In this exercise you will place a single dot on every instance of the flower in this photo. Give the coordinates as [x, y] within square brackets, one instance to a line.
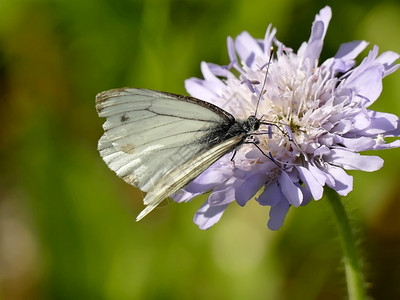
[316, 120]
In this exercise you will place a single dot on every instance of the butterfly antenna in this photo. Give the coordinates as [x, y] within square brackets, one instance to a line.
[265, 78]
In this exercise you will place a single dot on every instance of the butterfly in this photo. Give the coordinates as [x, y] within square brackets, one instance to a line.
[160, 141]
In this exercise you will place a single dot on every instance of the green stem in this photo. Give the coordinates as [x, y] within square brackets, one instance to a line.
[355, 283]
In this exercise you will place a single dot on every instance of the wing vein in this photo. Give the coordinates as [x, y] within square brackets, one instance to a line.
[177, 178]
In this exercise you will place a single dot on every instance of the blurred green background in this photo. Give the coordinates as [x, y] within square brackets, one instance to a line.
[67, 223]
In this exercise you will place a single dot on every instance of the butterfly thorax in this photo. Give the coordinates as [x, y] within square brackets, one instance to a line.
[251, 124]
[243, 127]
[233, 128]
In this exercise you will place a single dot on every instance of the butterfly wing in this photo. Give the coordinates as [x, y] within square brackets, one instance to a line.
[159, 141]
[179, 177]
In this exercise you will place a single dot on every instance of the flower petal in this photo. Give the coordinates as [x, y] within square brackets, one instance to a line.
[358, 144]
[231, 50]
[388, 59]
[268, 38]
[349, 51]
[211, 78]
[366, 79]
[343, 181]
[344, 58]
[383, 146]
[307, 196]
[319, 175]
[222, 194]
[379, 123]
[318, 31]
[292, 193]
[248, 49]
[199, 88]
[271, 195]
[208, 215]
[210, 178]
[249, 188]
[354, 161]
[183, 196]
[313, 185]
[277, 215]
[218, 70]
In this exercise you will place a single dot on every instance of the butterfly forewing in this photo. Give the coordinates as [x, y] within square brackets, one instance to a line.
[152, 138]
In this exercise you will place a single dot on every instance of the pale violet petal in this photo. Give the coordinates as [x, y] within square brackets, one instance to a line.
[338, 65]
[358, 144]
[354, 161]
[249, 188]
[271, 195]
[268, 38]
[209, 179]
[292, 193]
[388, 60]
[199, 89]
[324, 15]
[318, 31]
[343, 126]
[395, 132]
[383, 146]
[327, 141]
[302, 49]
[344, 58]
[366, 80]
[231, 50]
[349, 51]
[307, 196]
[323, 150]
[222, 194]
[183, 196]
[311, 182]
[368, 85]
[218, 70]
[314, 45]
[380, 122]
[277, 215]
[248, 48]
[361, 121]
[211, 78]
[343, 181]
[319, 175]
[208, 215]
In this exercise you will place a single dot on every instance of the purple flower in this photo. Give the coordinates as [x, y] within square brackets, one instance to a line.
[319, 120]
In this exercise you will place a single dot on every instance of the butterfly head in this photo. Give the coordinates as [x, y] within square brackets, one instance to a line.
[252, 124]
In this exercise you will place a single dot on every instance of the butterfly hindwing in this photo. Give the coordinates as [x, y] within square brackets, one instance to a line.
[171, 182]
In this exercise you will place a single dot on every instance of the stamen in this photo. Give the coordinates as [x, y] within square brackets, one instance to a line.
[270, 131]
[265, 78]
[264, 65]
[289, 132]
[249, 84]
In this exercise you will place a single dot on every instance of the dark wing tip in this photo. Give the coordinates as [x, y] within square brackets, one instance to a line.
[102, 97]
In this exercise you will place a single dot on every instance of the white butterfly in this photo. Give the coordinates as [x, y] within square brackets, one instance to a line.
[159, 141]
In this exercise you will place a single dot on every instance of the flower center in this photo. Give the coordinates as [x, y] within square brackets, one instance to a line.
[298, 100]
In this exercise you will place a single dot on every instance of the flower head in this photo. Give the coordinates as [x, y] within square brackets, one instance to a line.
[316, 120]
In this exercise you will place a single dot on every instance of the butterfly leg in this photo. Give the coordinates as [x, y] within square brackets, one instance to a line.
[269, 155]
[234, 154]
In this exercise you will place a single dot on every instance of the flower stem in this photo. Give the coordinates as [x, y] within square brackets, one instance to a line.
[354, 277]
